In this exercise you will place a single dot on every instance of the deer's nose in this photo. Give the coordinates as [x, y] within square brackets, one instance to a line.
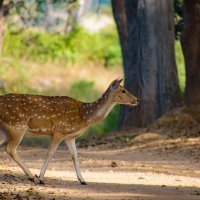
[136, 101]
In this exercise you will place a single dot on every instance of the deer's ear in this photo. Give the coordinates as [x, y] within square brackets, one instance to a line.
[115, 84]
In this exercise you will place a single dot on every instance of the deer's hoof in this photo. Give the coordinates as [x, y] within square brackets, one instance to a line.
[33, 179]
[83, 183]
[37, 176]
[41, 182]
[37, 180]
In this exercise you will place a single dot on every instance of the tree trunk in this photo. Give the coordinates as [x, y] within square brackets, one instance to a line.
[3, 14]
[146, 31]
[191, 49]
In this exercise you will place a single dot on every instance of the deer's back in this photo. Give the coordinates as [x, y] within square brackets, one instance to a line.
[41, 114]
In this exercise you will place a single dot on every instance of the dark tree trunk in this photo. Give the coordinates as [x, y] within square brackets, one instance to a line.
[146, 32]
[3, 14]
[191, 49]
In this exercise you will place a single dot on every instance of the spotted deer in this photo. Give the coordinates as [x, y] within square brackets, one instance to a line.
[61, 117]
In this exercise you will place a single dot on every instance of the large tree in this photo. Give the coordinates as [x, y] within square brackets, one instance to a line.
[146, 32]
[3, 13]
[191, 49]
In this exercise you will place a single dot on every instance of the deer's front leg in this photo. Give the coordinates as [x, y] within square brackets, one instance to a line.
[56, 139]
[73, 152]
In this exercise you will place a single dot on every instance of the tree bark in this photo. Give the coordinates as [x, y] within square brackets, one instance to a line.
[146, 32]
[191, 48]
[3, 13]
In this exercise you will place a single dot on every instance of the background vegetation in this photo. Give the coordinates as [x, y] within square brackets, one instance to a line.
[35, 49]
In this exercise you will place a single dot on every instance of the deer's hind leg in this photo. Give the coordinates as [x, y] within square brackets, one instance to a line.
[15, 137]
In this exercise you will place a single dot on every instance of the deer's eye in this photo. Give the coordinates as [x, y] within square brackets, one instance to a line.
[123, 91]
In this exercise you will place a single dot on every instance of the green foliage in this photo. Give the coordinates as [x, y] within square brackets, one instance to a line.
[83, 91]
[77, 47]
[180, 65]
[178, 17]
[33, 140]
[113, 56]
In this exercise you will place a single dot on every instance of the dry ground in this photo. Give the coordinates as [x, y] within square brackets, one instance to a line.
[158, 169]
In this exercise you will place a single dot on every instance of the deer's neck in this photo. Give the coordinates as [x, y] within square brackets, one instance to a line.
[98, 110]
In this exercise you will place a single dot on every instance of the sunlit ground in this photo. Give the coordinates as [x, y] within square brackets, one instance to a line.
[161, 169]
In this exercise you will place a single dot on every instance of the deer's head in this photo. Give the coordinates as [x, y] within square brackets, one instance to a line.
[120, 95]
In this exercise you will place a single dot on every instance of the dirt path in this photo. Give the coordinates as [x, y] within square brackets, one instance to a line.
[168, 170]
